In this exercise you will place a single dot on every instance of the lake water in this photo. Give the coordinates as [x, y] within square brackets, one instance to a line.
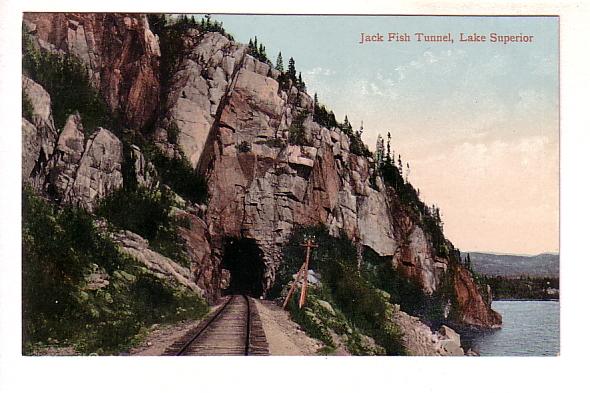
[529, 328]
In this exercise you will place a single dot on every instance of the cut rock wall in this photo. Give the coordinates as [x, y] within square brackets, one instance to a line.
[120, 51]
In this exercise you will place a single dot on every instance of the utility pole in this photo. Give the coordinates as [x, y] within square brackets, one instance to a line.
[308, 244]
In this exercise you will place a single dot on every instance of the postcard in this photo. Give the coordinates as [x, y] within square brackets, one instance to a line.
[315, 185]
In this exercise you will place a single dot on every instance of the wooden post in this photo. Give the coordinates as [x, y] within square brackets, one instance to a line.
[302, 271]
[304, 285]
[309, 244]
[293, 286]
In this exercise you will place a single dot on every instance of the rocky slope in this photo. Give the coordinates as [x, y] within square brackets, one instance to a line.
[225, 112]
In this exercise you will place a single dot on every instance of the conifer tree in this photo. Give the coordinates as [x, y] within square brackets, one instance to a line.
[262, 53]
[291, 72]
[388, 158]
[379, 152]
[280, 66]
[300, 83]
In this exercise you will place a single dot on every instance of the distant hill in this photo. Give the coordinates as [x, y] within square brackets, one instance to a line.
[542, 265]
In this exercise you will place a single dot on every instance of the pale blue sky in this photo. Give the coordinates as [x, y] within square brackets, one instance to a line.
[477, 122]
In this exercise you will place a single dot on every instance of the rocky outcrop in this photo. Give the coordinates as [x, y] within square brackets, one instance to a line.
[196, 240]
[81, 171]
[419, 340]
[161, 266]
[472, 308]
[145, 172]
[201, 82]
[39, 135]
[417, 260]
[120, 51]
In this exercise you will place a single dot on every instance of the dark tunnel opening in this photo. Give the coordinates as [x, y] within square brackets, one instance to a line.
[243, 259]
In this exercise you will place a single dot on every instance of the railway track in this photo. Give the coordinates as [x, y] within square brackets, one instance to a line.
[233, 329]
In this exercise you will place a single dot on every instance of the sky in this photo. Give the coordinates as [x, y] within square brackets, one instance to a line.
[478, 122]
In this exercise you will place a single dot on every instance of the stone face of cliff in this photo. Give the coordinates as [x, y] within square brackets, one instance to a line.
[225, 112]
[261, 187]
[473, 309]
[197, 88]
[120, 51]
[39, 136]
[82, 171]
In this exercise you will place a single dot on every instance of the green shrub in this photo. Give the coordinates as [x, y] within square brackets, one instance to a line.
[309, 322]
[146, 213]
[141, 211]
[410, 201]
[276, 143]
[297, 132]
[179, 175]
[173, 133]
[244, 147]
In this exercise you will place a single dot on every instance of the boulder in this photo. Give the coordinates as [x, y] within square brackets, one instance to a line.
[161, 266]
[326, 306]
[448, 333]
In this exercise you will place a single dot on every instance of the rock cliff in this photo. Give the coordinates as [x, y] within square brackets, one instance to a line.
[121, 53]
[226, 112]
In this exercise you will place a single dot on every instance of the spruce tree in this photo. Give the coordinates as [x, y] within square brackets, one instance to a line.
[291, 72]
[388, 158]
[379, 152]
[280, 63]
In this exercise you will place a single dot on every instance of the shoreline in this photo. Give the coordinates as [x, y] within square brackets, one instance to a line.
[525, 300]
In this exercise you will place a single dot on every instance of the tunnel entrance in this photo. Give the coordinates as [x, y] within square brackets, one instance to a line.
[243, 259]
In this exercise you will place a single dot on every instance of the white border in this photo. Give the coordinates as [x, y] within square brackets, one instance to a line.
[19, 373]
